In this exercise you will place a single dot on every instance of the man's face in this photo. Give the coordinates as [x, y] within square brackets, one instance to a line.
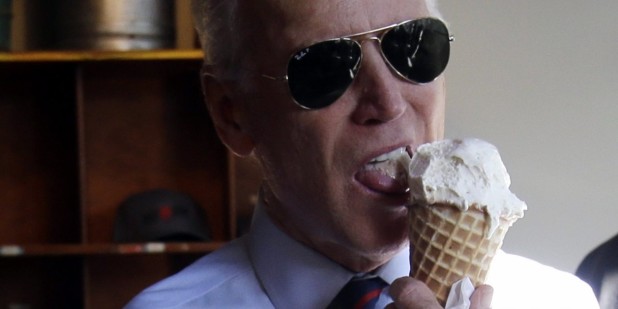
[321, 187]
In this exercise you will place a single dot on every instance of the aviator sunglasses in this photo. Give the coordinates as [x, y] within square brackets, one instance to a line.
[416, 50]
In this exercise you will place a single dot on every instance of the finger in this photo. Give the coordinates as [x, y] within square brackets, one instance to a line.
[410, 293]
[481, 298]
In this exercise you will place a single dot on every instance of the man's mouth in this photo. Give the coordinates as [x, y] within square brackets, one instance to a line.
[389, 157]
[386, 173]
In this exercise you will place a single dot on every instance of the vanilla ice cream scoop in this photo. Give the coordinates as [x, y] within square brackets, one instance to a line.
[465, 173]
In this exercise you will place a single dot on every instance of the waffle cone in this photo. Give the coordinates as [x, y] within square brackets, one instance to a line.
[449, 244]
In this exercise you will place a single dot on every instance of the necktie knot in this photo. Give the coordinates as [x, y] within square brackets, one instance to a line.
[359, 294]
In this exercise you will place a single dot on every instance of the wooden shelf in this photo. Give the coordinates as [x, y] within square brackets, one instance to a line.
[77, 56]
[9, 251]
[82, 131]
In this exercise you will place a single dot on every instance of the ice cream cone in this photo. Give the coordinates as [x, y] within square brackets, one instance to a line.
[461, 208]
[449, 244]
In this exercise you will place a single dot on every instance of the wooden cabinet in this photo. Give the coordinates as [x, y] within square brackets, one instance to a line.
[79, 133]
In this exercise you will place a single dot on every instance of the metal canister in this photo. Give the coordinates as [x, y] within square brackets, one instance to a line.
[114, 24]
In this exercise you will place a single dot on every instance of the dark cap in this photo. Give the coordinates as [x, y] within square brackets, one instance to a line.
[160, 215]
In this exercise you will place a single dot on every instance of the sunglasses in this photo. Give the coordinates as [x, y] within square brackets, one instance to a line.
[416, 50]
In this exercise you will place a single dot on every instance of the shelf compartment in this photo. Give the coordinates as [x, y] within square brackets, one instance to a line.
[38, 161]
[41, 282]
[148, 130]
[82, 131]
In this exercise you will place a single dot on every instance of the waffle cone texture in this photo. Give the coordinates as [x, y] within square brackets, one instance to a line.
[448, 244]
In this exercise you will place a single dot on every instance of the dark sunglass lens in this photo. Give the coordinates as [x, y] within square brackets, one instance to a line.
[319, 74]
[418, 50]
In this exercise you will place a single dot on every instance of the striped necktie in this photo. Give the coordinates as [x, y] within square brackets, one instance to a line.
[359, 294]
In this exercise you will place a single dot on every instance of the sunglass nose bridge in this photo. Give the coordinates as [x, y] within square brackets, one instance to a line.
[374, 38]
[371, 38]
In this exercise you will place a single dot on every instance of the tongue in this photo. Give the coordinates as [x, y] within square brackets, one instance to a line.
[379, 181]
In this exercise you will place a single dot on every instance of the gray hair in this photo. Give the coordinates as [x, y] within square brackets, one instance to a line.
[217, 29]
[221, 34]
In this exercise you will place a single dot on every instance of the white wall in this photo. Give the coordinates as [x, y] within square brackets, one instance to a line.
[539, 79]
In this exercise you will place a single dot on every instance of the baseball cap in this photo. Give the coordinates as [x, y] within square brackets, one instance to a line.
[160, 215]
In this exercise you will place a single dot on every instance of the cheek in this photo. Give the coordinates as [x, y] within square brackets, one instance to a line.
[428, 105]
[286, 146]
[433, 96]
[436, 115]
[299, 151]
[439, 110]
[268, 109]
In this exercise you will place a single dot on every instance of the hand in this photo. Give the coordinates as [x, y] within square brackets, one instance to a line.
[409, 293]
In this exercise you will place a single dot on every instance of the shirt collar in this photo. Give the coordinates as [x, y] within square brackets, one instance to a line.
[279, 262]
[397, 267]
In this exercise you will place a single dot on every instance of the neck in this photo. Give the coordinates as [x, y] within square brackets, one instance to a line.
[349, 258]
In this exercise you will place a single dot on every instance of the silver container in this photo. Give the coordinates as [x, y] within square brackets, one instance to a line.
[113, 24]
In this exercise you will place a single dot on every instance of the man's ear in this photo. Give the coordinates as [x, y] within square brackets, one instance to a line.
[227, 116]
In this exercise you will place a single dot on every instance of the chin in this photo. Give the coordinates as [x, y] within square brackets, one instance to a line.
[387, 241]
[377, 255]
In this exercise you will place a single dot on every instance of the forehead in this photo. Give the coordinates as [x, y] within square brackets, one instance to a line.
[287, 25]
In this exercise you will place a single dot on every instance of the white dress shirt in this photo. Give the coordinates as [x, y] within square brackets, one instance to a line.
[268, 269]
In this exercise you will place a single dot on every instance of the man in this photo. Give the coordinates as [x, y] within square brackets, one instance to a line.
[322, 117]
[600, 269]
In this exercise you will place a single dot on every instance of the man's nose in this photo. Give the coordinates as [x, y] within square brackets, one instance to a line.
[377, 88]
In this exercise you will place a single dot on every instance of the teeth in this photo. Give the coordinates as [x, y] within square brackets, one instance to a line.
[393, 164]
[388, 156]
